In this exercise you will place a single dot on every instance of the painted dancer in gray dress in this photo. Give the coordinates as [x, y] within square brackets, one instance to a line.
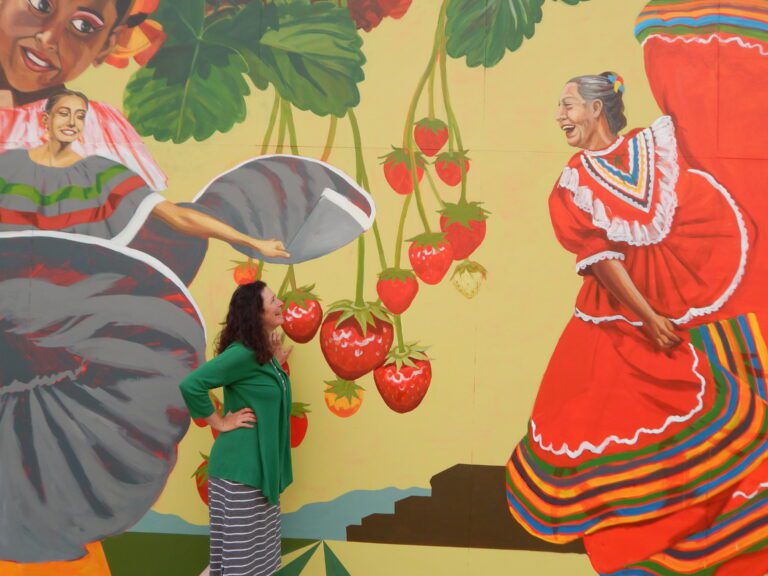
[97, 326]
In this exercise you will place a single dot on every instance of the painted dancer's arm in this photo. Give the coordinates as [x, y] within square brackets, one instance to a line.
[194, 223]
[613, 275]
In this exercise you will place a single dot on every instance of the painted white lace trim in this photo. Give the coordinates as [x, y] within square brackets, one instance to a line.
[708, 40]
[618, 229]
[751, 495]
[600, 256]
[723, 298]
[600, 448]
[604, 151]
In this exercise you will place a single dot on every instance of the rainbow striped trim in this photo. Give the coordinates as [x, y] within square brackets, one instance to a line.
[697, 18]
[712, 455]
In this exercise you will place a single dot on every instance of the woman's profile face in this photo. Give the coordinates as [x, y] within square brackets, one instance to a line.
[576, 117]
[65, 121]
[44, 43]
[273, 309]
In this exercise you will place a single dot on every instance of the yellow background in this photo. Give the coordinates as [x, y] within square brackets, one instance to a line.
[489, 353]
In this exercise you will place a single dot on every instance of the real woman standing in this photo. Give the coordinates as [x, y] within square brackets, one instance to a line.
[250, 463]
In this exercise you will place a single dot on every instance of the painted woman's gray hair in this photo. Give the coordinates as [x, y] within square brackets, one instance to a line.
[601, 88]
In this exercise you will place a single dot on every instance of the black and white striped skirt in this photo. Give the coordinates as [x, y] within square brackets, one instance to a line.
[245, 530]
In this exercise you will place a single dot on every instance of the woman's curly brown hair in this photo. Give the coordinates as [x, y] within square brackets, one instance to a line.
[245, 323]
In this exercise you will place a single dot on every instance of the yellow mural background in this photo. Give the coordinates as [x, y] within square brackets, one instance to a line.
[489, 353]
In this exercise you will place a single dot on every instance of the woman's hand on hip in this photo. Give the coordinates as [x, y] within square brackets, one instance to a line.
[243, 418]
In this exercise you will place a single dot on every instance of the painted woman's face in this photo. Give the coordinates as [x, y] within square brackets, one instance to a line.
[273, 309]
[44, 43]
[578, 118]
[66, 120]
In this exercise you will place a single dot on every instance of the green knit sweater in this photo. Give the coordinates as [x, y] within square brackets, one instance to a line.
[259, 457]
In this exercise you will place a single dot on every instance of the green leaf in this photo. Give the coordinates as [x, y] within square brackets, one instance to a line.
[194, 86]
[333, 566]
[343, 389]
[481, 32]
[242, 32]
[297, 565]
[314, 59]
[298, 409]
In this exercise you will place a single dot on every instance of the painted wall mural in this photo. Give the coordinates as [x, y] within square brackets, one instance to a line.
[384, 165]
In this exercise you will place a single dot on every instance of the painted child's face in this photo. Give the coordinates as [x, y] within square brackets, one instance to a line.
[44, 43]
[66, 120]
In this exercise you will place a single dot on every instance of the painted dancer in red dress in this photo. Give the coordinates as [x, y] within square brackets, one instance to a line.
[648, 428]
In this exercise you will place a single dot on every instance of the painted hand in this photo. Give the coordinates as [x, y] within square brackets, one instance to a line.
[271, 248]
[661, 331]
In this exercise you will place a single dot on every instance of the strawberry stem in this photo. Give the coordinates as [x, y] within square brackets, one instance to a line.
[431, 90]
[261, 268]
[281, 132]
[271, 124]
[284, 285]
[454, 132]
[434, 189]
[330, 139]
[362, 178]
[359, 296]
[399, 334]
[292, 277]
[401, 230]
[291, 127]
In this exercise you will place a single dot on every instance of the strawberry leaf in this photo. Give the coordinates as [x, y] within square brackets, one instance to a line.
[343, 389]
[365, 315]
[298, 409]
[432, 124]
[300, 297]
[401, 155]
[408, 356]
[396, 274]
[464, 213]
[428, 239]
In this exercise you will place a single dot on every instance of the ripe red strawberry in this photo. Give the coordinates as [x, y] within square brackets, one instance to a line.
[302, 314]
[355, 339]
[397, 289]
[404, 380]
[448, 167]
[285, 366]
[201, 479]
[397, 170]
[245, 272]
[464, 227]
[299, 423]
[430, 134]
[431, 256]
[368, 14]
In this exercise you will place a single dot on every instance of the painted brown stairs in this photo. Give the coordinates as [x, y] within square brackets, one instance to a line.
[467, 509]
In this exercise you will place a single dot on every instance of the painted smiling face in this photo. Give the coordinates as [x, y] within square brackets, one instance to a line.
[45, 43]
[577, 118]
[64, 123]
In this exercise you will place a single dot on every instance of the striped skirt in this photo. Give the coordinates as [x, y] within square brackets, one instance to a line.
[688, 500]
[245, 530]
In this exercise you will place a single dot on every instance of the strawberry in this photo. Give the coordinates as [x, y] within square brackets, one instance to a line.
[448, 167]
[299, 423]
[397, 170]
[285, 366]
[368, 14]
[302, 314]
[343, 398]
[430, 134]
[464, 227]
[404, 380]
[431, 256]
[355, 339]
[245, 272]
[201, 479]
[397, 289]
[468, 277]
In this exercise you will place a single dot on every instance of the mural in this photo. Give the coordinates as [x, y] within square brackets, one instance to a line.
[287, 118]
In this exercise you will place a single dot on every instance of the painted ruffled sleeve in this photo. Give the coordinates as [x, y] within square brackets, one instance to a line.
[577, 233]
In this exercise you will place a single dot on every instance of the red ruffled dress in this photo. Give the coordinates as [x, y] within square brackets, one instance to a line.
[630, 448]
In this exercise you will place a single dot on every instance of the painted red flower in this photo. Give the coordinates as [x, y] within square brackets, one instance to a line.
[368, 14]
